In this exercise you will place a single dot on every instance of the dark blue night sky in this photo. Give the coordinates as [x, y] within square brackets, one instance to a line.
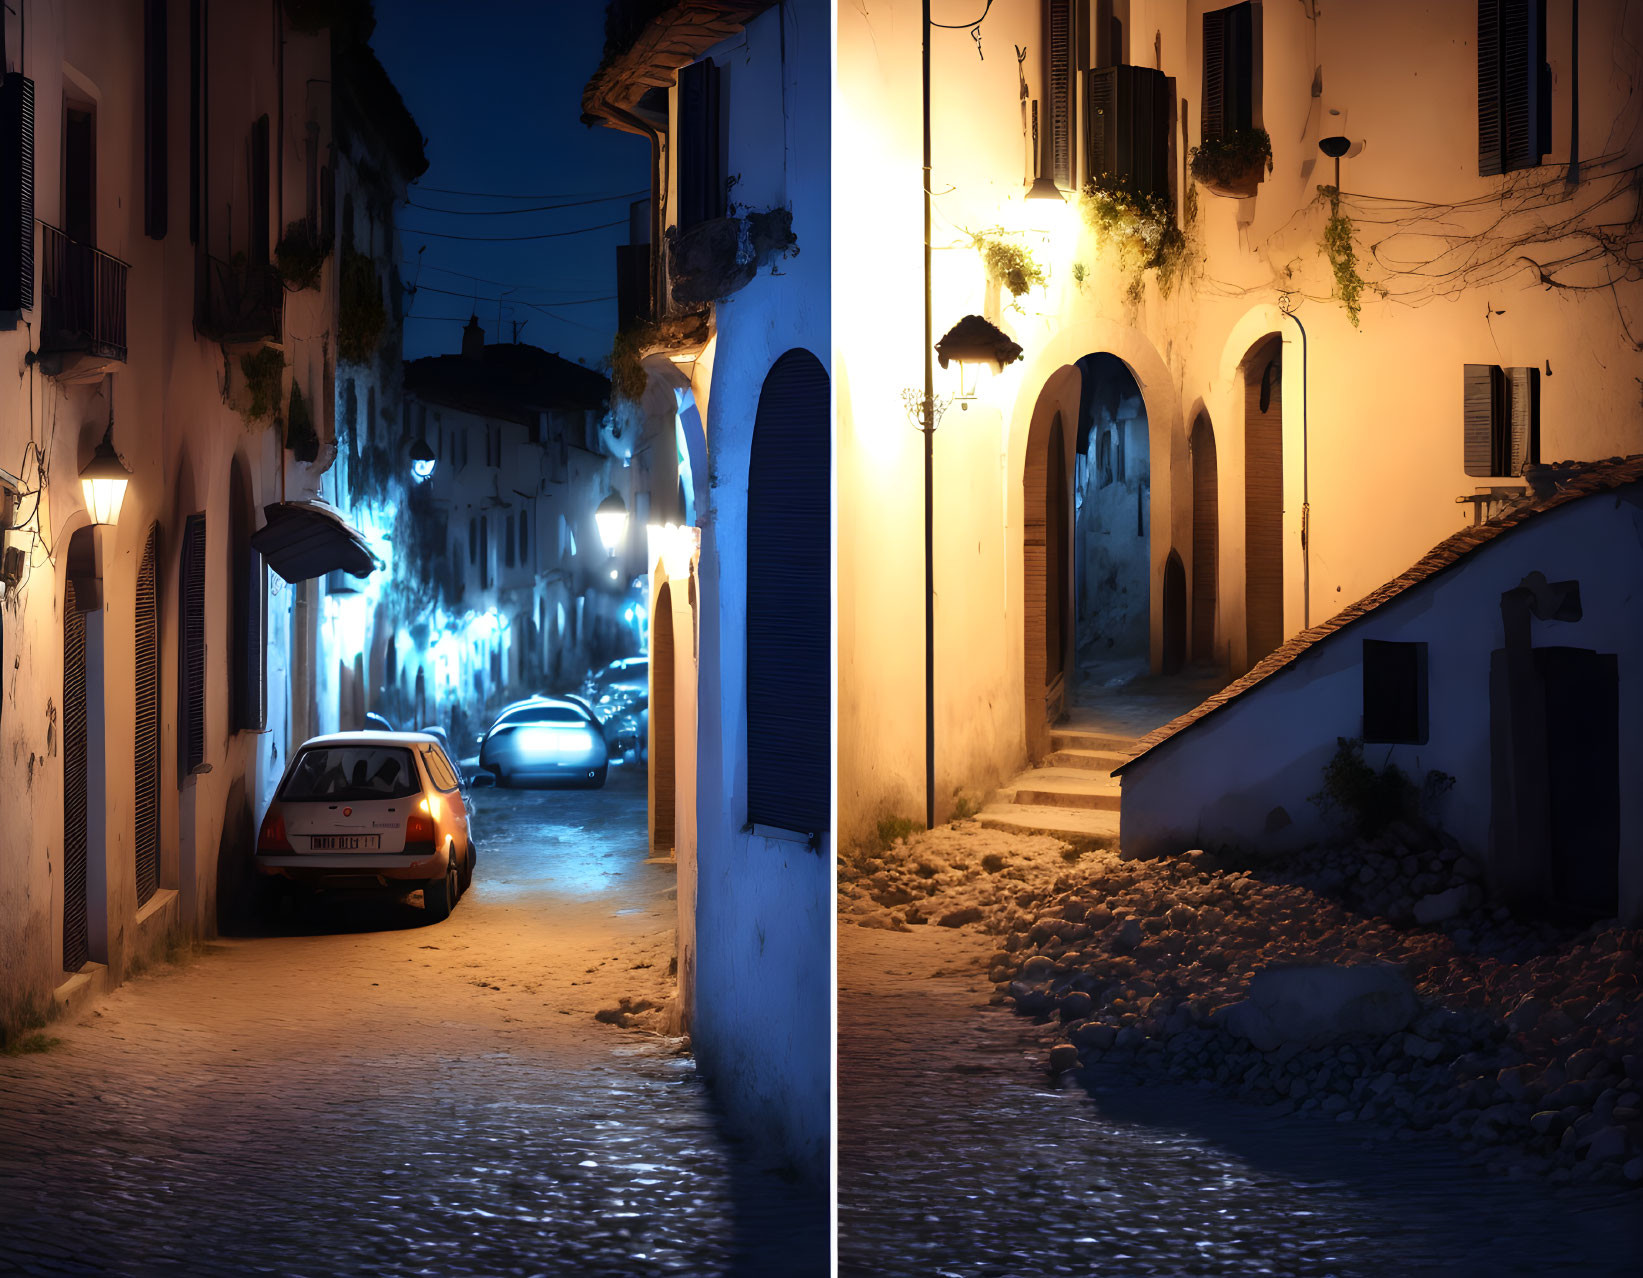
[496, 87]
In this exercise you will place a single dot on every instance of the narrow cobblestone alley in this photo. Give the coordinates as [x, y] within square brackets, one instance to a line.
[958, 1156]
[370, 1094]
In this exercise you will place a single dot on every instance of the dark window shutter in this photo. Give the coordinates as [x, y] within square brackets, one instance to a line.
[191, 649]
[1514, 85]
[76, 930]
[632, 284]
[1491, 154]
[1212, 123]
[1229, 71]
[250, 688]
[196, 112]
[259, 191]
[789, 594]
[16, 193]
[1127, 128]
[1058, 87]
[701, 157]
[146, 757]
[1394, 693]
[1524, 395]
[154, 118]
[1481, 397]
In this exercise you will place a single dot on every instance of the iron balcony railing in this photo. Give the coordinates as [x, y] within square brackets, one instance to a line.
[84, 307]
[241, 301]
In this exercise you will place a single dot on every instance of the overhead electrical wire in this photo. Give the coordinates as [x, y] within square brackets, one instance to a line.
[506, 195]
[536, 208]
[445, 270]
[411, 231]
[514, 301]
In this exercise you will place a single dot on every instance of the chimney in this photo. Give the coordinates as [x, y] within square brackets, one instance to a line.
[473, 339]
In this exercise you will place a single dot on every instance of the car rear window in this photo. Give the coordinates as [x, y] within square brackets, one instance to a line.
[544, 714]
[439, 768]
[331, 774]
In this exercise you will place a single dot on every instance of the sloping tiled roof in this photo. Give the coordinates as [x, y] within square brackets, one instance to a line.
[673, 38]
[511, 381]
[1573, 480]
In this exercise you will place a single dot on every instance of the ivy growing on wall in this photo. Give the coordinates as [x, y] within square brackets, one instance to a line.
[1141, 232]
[362, 315]
[1010, 265]
[1343, 257]
[262, 369]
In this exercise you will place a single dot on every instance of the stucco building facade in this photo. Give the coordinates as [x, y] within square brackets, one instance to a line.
[1329, 380]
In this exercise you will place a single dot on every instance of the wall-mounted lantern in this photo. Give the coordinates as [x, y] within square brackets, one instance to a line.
[976, 345]
[612, 519]
[104, 480]
[422, 459]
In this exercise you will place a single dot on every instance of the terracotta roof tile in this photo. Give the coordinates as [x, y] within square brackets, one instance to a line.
[1572, 480]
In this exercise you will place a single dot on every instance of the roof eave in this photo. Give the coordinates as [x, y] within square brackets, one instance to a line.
[672, 40]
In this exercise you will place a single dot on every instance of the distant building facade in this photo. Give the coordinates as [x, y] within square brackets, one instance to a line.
[724, 360]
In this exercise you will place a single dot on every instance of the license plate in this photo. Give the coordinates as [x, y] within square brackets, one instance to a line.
[344, 842]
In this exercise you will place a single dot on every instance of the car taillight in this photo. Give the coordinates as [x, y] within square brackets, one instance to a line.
[420, 828]
[272, 837]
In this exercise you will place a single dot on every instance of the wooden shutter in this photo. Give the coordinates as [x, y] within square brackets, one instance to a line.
[1212, 121]
[16, 193]
[1127, 113]
[1491, 152]
[1514, 85]
[701, 157]
[146, 757]
[196, 113]
[259, 191]
[1229, 71]
[250, 650]
[1263, 509]
[1481, 394]
[1058, 88]
[789, 594]
[154, 118]
[1523, 386]
[191, 649]
[76, 924]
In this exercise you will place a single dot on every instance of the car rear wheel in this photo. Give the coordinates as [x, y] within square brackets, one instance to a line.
[468, 868]
[439, 895]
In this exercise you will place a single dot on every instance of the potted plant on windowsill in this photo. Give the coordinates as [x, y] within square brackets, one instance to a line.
[1233, 165]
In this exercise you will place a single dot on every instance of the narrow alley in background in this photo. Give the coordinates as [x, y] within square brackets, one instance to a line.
[396, 537]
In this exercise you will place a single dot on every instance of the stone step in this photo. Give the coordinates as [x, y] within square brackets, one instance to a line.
[1025, 818]
[1069, 739]
[1102, 761]
[1067, 799]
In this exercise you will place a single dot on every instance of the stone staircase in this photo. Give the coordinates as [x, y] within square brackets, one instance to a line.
[1073, 792]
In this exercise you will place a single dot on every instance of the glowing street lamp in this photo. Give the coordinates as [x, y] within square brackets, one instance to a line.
[103, 481]
[974, 344]
[612, 518]
[422, 459]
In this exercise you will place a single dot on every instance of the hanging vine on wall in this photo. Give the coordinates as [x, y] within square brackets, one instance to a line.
[300, 255]
[1009, 265]
[1141, 232]
[262, 369]
[300, 436]
[362, 315]
[1343, 257]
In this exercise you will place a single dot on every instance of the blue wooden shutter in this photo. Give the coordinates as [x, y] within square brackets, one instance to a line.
[789, 600]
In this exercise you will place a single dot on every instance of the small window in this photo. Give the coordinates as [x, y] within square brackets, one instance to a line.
[1502, 419]
[701, 147]
[1394, 693]
[1229, 72]
[1514, 86]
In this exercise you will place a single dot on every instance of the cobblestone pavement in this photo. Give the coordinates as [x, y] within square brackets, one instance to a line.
[958, 1156]
[373, 1094]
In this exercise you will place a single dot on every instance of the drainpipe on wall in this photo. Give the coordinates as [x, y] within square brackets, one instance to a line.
[1285, 305]
[658, 201]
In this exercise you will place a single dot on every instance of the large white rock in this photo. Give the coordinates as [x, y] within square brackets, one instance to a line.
[1315, 1004]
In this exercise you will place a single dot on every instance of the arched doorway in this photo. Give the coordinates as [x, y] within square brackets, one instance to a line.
[1086, 515]
[789, 599]
[1206, 540]
[1175, 615]
[663, 761]
[76, 911]
[1262, 373]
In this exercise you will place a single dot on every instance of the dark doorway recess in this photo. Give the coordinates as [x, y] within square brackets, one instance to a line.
[1175, 615]
[1582, 691]
[789, 599]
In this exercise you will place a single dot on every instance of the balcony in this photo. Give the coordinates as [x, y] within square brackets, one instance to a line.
[83, 308]
[241, 303]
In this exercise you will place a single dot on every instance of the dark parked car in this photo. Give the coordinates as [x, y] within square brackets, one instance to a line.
[546, 739]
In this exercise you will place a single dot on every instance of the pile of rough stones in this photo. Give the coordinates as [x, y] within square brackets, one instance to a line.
[1371, 983]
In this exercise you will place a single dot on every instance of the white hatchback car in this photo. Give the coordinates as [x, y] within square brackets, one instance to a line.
[356, 808]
